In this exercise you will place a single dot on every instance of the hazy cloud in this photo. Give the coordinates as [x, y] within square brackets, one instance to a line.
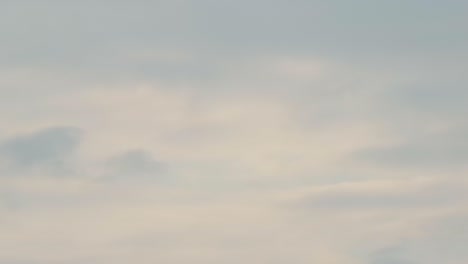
[134, 165]
[445, 149]
[389, 256]
[48, 147]
[221, 131]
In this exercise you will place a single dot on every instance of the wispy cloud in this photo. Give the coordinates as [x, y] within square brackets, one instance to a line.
[233, 131]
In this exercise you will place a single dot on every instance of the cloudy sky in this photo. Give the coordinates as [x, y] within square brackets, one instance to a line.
[233, 131]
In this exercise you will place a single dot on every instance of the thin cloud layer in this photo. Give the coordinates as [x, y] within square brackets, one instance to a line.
[233, 132]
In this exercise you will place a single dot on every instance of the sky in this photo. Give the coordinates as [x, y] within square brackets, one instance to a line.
[222, 131]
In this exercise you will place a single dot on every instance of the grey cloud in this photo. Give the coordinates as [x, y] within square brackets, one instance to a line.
[94, 33]
[135, 164]
[391, 255]
[400, 196]
[446, 240]
[48, 147]
[442, 241]
[418, 156]
[97, 41]
[425, 116]
[440, 98]
[442, 151]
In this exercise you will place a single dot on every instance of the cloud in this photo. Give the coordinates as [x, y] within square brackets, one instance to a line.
[446, 149]
[389, 255]
[49, 147]
[386, 195]
[135, 165]
[305, 132]
[443, 240]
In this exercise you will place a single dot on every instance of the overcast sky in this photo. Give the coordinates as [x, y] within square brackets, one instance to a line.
[233, 131]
